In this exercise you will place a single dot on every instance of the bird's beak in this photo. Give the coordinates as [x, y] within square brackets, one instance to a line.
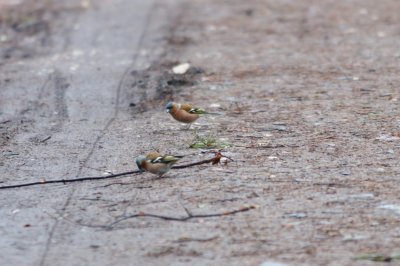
[167, 110]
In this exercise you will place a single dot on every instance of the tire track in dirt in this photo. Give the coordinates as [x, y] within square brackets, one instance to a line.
[52, 107]
[156, 85]
[53, 112]
[54, 88]
[60, 86]
[102, 133]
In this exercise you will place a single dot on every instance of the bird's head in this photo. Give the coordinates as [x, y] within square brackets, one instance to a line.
[169, 106]
[139, 162]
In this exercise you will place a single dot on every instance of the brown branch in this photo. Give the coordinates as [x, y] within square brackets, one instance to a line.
[124, 184]
[64, 181]
[180, 219]
[214, 160]
[190, 239]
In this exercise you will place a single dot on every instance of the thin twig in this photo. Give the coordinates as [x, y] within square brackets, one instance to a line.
[214, 160]
[189, 213]
[124, 184]
[64, 181]
[45, 139]
[190, 239]
[180, 219]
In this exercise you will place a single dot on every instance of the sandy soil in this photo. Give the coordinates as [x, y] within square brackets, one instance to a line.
[308, 96]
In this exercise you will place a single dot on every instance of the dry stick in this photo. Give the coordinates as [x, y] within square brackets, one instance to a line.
[190, 239]
[64, 181]
[214, 160]
[180, 219]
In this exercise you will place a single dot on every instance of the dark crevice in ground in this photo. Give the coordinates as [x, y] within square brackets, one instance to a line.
[155, 86]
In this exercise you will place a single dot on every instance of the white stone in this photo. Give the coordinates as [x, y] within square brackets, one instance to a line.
[181, 68]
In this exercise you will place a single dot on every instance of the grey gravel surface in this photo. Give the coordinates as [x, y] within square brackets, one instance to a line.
[308, 96]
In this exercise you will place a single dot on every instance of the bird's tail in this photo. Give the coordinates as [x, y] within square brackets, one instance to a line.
[170, 158]
[208, 113]
[199, 111]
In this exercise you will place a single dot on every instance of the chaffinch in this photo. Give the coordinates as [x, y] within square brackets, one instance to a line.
[155, 163]
[184, 112]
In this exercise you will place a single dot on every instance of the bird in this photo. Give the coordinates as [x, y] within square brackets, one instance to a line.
[156, 163]
[185, 112]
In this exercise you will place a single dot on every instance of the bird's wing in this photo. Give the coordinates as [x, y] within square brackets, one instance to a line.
[153, 155]
[192, 110]
[166, 159]
[186, 106]
[197, 111]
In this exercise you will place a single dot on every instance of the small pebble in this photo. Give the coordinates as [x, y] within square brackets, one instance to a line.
[181, 68]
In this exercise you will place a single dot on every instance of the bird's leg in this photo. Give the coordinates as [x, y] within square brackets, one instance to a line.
[189, 126]
[158, 177]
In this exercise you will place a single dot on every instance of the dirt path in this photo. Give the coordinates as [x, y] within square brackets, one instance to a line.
[57, 109]
[308, 93]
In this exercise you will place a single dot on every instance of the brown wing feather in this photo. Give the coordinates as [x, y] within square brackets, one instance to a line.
[186, 107]
[152, 155]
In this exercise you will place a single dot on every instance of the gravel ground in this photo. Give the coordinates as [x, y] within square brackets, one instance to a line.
[308, 97]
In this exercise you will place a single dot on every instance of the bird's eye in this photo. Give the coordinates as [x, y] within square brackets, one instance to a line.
[169, 106]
